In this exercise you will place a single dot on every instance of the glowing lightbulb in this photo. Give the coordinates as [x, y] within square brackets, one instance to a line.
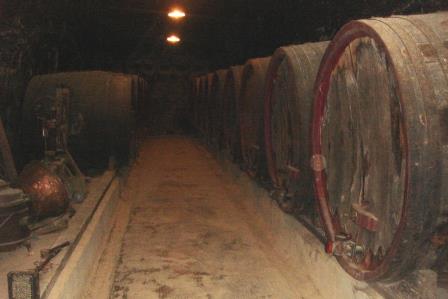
[173, 39]
[176, 14]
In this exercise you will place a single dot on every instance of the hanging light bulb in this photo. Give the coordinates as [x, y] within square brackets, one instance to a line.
[173, 39]
[176, 14]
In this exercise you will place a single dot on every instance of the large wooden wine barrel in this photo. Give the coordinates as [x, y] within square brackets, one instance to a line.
[191, 98]
[216, 120]
[251, 103]
[194, 100]
[197, 102]
[139, 97]
[288, 109]
[201, 105]
[135, 90]
[231, 135]
[209, 104]
[380, 143]
[101, 115]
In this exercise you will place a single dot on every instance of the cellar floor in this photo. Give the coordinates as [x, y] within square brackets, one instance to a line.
[197, 230]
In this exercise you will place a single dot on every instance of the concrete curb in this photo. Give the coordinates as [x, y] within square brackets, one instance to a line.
[74, 277]
[292, 240]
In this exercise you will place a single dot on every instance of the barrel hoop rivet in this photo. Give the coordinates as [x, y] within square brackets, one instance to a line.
[318, 163]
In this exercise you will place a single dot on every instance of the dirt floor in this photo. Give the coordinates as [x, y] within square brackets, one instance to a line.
[191, 235]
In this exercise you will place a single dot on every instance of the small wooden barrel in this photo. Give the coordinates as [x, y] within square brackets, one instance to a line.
[288, 109]
[380, 143]
[251, 111]
[231, 136]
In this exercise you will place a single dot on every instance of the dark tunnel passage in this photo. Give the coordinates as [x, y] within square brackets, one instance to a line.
[223, 149]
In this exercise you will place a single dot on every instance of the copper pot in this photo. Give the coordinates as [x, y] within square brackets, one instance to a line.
[48, 193]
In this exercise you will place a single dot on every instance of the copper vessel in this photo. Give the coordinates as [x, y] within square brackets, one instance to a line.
[48, 193]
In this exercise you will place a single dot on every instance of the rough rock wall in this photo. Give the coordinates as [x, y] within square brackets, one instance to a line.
[19, 61]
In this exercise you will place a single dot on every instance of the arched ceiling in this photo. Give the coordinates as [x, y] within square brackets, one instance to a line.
[217, 33]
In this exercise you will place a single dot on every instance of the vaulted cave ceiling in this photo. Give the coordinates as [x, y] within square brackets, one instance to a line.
[113, 33]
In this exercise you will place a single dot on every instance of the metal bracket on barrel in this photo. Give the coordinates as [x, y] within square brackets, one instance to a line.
[363, 218]
[294, 172]
[344, 246]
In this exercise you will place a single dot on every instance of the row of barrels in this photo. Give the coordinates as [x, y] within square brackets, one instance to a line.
[357, 127]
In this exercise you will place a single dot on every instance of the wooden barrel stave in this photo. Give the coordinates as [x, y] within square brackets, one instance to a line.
[209, 105]
[202, 100]
[251, 103]
[215, 112]
[195, 101]
[288, 106]
[198, 104]
[435, 57]
[231, 136]
[191, 100]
